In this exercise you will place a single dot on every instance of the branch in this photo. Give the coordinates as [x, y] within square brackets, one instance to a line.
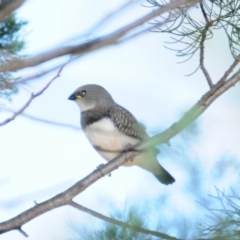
[33, 96]
[44, 72]
[94, 44]
[40, 74]
[119, 223]
[7, 7]
[193, 113]
[65, 198]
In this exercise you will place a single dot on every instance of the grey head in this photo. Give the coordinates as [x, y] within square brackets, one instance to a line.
[91, 96]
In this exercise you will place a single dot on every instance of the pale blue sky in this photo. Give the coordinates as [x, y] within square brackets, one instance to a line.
[39, 160]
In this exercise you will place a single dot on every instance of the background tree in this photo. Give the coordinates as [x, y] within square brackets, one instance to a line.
[11, 45]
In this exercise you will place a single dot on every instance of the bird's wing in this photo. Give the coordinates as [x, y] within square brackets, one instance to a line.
[127, 123]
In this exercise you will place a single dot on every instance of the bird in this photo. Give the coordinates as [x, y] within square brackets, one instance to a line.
[111, 129]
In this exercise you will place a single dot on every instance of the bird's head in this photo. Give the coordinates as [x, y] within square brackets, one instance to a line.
[90, 96]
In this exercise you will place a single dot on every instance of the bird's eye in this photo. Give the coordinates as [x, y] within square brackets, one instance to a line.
[83, 92]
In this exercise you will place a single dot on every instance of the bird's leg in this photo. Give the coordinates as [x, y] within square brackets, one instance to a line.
[129, 148]
[99, 168]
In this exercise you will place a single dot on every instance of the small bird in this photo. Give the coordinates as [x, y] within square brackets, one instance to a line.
[111, 129]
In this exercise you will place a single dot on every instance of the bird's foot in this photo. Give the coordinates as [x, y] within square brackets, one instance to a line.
[99, 168]
[127, 151]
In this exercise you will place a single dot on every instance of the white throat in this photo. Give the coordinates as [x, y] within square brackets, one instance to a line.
[83, 106]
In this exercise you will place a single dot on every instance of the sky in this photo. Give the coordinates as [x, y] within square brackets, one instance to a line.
[39, 160]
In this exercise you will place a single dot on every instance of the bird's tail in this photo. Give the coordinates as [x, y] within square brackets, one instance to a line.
[153, 166]
[164, 176]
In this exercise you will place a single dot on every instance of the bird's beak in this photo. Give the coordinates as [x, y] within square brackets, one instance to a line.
[74, 97]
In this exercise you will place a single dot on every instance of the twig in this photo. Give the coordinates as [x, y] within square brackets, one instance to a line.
[109, 16]
[119, 223]
[42, 120]
[94, 44]
[157, 25]
[231, 68]
[205, 72]
[204, 12]
[40, 74]
[22, 232]
[66, 197]
[33, 96]
[227, 217]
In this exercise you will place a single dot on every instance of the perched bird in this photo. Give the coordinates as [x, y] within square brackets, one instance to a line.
[111, 129]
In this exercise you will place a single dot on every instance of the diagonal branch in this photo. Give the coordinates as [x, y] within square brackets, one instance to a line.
[193, 113]
[94, 44]
[121, 224]
[66, 197]
[33, 96]
[63, 198]
[231, 68]
[127, 38]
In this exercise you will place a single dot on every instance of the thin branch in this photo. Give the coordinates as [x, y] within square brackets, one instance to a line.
[219, 86]
[119, 223]
[22, 232]
[110, 15]
[204, 12]
[44, 72]
[94, 44]
[231, 68]
[148, 29]
[33, 96]
[42, 120]
[205, 72]
[66, 197]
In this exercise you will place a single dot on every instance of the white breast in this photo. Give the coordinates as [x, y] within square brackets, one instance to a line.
[106, 137]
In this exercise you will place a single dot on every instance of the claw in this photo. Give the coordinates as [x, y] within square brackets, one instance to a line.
[128, 148]
[99, 168]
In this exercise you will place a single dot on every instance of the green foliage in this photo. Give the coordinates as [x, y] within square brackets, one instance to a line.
[226, 218]
[10, 45]
[147, 216]
[111, 231]
[223, 223]
[9, 38]
[193, 28]
[6, 86]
